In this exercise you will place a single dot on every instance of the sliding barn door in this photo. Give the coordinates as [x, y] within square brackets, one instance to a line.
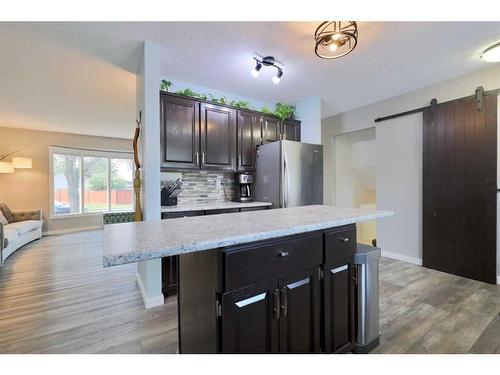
[459, 188]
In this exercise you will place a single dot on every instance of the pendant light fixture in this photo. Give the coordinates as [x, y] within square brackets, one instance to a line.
[267, 61]
[335, 39]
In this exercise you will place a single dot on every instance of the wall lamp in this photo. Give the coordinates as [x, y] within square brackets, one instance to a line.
[16, 162]
[267, 61]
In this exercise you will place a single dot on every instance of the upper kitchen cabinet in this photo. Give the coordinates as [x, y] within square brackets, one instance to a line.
[291, 130]
[271, 129]
[179, 132]
[218, 137]
[197, 134]
[249, 136]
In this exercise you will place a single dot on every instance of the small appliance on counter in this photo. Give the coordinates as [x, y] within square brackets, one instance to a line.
[170, 192]
[244, 182]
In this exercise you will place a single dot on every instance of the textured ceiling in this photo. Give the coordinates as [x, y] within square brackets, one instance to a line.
[79, 77]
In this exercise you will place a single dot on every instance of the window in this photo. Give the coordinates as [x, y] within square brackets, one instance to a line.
[86, 182]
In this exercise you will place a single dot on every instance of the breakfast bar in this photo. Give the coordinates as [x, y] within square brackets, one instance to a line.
[266, 281]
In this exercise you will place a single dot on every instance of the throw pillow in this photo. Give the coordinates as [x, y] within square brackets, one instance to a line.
[3, 220]
[7, 213]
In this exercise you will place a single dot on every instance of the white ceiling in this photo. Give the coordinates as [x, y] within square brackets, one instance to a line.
[79, 77]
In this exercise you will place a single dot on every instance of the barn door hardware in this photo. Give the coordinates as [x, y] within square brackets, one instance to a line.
[479, 98]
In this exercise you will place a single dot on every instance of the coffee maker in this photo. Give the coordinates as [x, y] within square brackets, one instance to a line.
[244, 182]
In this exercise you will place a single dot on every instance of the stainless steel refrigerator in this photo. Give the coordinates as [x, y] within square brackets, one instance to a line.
[289, 174]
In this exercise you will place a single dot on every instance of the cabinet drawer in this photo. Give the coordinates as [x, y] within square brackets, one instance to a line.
[340, 244]
[252, 265]
[175, 215]
[222, 211]
[245, 209]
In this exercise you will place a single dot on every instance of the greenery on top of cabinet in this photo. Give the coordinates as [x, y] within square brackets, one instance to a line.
[281, 110]
[284, 111]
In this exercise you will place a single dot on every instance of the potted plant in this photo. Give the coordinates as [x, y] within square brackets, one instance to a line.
[284, 111]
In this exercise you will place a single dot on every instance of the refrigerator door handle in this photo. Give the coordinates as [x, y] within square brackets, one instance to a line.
[285, 184]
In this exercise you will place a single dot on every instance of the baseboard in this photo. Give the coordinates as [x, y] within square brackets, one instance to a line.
[404, 258]
[149, 302]
[70, 230]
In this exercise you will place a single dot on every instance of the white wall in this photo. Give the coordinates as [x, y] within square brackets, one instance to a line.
[148, 101]
[399, 187]
[355, 161]
[399, 148]
[308, 111]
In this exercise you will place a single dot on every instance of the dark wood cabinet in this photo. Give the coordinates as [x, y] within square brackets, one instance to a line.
[300, 312]
[339, 304]
[271, 129]
[218, 137]
[179, 132]
[284, 308]
[249, 137]
[339, 290]
[293, 294]
[197, 134]
[290, 130]
[249, 320]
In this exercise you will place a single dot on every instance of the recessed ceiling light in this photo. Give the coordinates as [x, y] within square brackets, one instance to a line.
[492, 54]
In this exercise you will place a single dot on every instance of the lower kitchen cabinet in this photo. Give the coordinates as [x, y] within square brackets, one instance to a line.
[292, 294]
[249, 320]
[300, 312]
[338, 310]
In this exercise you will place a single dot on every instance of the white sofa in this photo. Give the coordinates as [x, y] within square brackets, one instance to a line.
[27, 227]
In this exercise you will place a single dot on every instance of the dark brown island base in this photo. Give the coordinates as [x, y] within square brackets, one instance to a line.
[293, 294]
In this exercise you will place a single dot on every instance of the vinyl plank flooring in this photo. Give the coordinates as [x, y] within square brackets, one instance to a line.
[55, 297]
[489, 341]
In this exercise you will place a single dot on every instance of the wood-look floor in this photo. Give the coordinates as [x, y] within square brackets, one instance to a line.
[55, 297]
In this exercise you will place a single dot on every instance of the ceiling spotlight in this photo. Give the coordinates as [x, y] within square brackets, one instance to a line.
[492, 54]
[277, 77]
[267, 61]
[335, 39]
[255, 71]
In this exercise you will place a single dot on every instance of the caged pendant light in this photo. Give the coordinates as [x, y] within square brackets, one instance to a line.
[335, 39]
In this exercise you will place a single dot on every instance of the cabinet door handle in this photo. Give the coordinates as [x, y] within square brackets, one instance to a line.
[239, 160]
[197, 158]
[284, 302]
[276, 304]
[284, 253]
[344, 239]
[202, 158]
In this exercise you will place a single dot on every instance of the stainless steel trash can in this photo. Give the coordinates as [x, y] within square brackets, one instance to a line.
[366, 268]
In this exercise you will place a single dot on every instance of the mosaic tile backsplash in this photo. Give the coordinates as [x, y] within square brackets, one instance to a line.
[202, 186]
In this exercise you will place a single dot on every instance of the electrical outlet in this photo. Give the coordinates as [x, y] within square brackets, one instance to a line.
[219, 183]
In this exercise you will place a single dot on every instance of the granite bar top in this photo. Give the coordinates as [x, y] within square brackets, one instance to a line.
[207, 206]
[139, 241]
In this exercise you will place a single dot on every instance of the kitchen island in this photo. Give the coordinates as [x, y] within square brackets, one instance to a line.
[274, 281]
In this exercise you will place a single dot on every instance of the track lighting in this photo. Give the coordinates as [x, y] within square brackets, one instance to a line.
[267, 61]
[255, 71]
[277, 77]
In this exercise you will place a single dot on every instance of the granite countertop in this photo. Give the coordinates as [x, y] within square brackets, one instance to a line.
[139, 241]
[202, 206]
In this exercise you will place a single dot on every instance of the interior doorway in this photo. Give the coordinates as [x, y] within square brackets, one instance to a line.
[355, 176]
